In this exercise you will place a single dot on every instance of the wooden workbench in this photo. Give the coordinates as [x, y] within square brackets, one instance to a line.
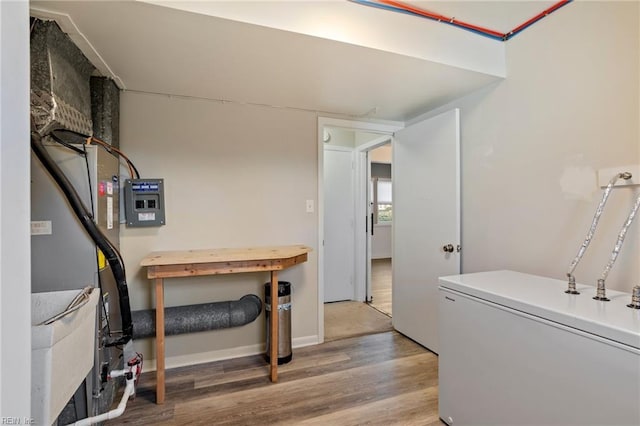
[193, 263]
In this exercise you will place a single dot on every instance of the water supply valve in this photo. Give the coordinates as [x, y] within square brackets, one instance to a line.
[635, 298]
[601, 292]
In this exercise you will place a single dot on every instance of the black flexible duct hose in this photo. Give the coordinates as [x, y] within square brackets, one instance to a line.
[94, 233]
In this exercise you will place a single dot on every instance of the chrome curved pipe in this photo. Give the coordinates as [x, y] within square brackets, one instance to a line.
[592, 229]
[616, 250]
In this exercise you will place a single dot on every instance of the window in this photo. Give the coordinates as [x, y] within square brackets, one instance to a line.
[382, 200]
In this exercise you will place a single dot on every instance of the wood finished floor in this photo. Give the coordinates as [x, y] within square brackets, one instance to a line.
[378, 379]
[381, 285]
[351, 318]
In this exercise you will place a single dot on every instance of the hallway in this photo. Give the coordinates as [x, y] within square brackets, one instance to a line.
[352, 318]
[381, 285]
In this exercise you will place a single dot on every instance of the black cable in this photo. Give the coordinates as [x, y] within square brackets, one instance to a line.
[93, 213]
[86, 162]
[112, 150]
[80, 210]
[117, 152]
[83, 152]
[115, 249]
[67, 144]
[73, 133]
[134, 169]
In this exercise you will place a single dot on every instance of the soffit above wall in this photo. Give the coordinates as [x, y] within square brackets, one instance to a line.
[348, 22]
[162, 50]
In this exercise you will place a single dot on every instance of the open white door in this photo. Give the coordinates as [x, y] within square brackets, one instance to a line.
[426, 218]
[339, 215]
[369, 227]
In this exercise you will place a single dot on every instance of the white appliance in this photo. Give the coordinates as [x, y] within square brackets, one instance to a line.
[515, 349]
[64, 257]
[62, 352]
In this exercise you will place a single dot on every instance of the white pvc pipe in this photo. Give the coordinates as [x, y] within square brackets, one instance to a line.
[117, 412]
[117, 373]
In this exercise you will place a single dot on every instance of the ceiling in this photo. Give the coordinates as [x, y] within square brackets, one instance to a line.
[501, 16]
[151, 48]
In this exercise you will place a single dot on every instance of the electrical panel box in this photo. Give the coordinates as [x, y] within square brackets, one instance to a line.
[144, 202]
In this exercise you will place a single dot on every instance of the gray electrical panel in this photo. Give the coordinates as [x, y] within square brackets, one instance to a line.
[144, 202]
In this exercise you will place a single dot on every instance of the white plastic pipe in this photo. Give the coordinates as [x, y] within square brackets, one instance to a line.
[117, 373]
[117, 412]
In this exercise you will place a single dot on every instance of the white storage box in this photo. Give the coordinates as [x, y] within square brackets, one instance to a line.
[515, 349]
[62, 353]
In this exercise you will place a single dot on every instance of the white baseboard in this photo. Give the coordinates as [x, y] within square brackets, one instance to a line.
[219, 355]
[301, 342]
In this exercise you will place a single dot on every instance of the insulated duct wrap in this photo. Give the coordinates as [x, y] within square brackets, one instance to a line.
[105, 110]
[195, 318]
[60, 93]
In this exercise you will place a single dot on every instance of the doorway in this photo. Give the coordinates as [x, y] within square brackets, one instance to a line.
[345, 209]
[426, 217]
[380, 202]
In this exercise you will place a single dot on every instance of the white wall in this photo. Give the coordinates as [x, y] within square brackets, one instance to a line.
[361, 138]
[341, 137]
[15, 281]
[531, 146]
[235, 176]
[568, 108]
[381, 242]
[381, 154]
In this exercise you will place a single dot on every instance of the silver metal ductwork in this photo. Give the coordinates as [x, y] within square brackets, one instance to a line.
[60, 73]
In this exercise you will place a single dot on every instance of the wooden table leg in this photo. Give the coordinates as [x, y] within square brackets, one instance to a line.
[159, 341]
[274, 327]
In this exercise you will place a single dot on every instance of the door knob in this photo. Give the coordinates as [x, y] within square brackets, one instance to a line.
[448, 248]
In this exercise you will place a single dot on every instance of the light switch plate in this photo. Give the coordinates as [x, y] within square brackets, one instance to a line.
[310, 207]
[605, 175]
